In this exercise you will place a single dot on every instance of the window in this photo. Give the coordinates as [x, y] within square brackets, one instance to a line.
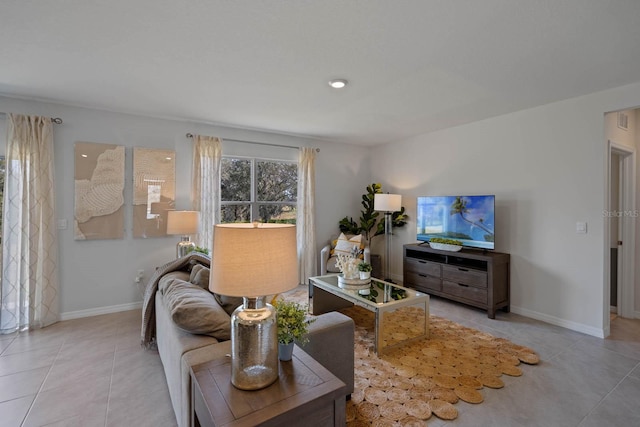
[258, 190]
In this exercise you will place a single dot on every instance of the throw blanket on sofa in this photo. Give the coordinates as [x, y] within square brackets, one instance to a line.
[148, 330]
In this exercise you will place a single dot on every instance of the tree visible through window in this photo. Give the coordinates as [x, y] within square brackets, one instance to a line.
[258, 190]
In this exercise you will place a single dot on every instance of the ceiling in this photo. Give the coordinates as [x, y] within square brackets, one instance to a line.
[413, 66]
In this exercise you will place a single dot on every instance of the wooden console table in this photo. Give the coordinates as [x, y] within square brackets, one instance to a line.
[306, 393]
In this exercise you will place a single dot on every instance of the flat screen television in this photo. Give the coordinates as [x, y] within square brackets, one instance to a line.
[469, 219]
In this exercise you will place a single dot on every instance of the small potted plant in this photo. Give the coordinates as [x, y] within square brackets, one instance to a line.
[365, 270]
[293, 325]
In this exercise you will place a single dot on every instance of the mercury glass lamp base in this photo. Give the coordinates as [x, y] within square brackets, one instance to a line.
[254, 345]
[184, 247]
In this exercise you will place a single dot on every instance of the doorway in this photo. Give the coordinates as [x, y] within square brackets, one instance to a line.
[620, 231]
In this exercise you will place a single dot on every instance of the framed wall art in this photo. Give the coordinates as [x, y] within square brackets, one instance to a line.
[99, 191]
[154, 183]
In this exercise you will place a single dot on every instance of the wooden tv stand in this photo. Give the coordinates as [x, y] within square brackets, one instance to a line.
[474, 277]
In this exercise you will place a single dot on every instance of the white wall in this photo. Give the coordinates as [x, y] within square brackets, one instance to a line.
[98, 276]
[546, 166]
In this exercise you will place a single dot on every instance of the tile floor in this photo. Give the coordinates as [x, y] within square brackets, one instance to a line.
[92, 372]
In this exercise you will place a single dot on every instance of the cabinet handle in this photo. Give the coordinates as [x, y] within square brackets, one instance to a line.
[422, 262]
[463, 285]
[462, 269]
[422, 275]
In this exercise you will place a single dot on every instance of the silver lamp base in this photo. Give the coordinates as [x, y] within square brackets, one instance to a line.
[254, 344]
[184, 247]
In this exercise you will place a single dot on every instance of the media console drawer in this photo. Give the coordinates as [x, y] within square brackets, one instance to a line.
[464, 275]
[465, 291]
[474, 277]
[422, 281]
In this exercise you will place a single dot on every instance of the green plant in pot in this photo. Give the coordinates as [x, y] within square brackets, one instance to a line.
[371, 222]
[293, 325]
[365, 270]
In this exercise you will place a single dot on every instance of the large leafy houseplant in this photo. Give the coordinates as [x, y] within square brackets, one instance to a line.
[371, 222]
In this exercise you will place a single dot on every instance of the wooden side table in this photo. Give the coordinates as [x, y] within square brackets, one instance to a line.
[306, 393]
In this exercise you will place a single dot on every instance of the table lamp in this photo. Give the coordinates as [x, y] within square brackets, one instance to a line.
[183, 223]
[252, 261]
[387, 203]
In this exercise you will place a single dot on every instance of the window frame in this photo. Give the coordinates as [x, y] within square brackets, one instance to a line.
[254, 204]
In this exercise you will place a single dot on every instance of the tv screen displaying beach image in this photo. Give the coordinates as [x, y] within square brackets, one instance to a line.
[468, 219]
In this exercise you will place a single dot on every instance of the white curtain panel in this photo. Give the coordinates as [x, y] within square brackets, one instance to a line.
[207, 160]
[29, 234]
[305, 220]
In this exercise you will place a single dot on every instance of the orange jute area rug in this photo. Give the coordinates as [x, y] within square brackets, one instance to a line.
[425, 378]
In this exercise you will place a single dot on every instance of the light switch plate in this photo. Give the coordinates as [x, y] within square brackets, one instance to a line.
[581, 227]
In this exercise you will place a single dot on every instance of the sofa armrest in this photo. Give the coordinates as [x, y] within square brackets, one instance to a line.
[324, 259]
[331, 343]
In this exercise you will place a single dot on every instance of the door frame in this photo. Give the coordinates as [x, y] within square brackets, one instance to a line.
[627, 216]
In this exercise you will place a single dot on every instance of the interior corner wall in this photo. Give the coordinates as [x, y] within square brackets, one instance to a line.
[546, 166]
[97, 276]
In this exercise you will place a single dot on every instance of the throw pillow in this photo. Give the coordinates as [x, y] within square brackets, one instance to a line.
[196, 310]
[200, 276]
[228, 304]
[345, 245]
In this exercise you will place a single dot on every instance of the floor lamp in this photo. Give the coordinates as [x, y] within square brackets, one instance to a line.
[387, 203]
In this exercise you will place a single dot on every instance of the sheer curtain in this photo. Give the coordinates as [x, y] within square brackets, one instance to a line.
[29, 297]
[207, 160]
[305, 220]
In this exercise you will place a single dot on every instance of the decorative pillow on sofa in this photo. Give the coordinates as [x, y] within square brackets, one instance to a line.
[200, 276]
[228, 304]
[196, 310]
[344, 245]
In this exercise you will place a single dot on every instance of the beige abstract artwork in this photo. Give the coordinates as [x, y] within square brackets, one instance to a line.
[153, 191]
[99, 191]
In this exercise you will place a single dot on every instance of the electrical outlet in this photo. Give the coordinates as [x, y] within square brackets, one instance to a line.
[139, 276]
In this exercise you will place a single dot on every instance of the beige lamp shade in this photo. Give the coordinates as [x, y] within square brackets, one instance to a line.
[387, 202]
[251, 260]
[183, 222]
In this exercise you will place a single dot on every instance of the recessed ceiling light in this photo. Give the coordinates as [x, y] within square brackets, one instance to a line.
[337, 83]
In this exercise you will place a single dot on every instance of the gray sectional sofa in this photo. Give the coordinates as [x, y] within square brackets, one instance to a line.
[189, 325]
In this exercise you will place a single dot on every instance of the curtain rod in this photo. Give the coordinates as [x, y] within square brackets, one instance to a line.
[190, 135]
[56, 120]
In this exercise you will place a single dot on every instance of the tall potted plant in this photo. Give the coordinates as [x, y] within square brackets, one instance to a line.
[371, 222]
[293, 325]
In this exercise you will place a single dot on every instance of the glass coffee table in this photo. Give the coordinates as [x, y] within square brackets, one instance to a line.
[401, 314]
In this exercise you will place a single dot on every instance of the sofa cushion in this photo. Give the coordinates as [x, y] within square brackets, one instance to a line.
[228, 304]
[168, 279]
[200, 276]
[196, 310]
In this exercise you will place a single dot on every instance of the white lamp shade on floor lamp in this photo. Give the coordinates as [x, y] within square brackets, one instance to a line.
[183, 223]
[252, 261]
[387, 203]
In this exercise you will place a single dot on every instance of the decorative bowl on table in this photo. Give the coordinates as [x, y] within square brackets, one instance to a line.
[445, 246]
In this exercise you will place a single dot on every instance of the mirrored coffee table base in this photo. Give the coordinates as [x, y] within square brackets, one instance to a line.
[401, 314]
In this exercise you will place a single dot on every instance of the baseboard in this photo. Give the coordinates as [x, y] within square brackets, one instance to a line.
[574, 326]
[636, 314]
[100, 310]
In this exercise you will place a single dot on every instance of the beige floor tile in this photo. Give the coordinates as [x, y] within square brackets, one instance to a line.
[84, 367]
[149, 409]
[83, 399]
[14, 411]
[22, 384]
[18, 362]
